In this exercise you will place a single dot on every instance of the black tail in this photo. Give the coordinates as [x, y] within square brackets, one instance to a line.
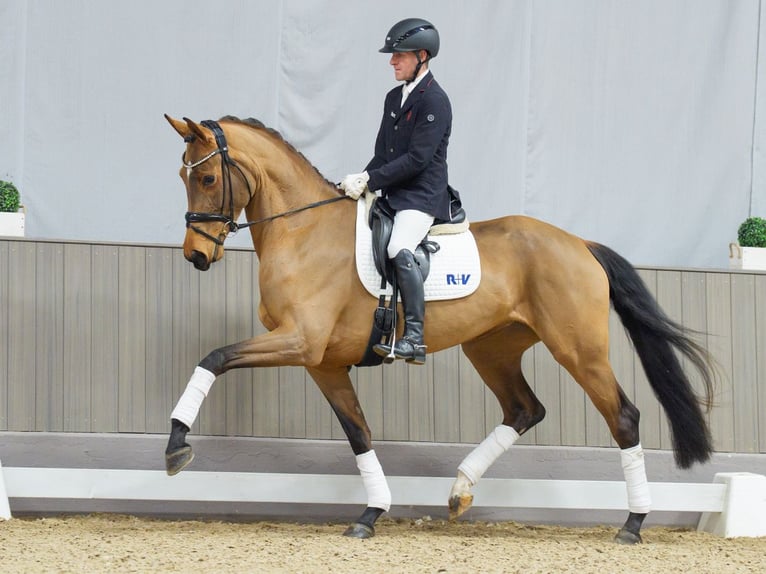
[655, 336]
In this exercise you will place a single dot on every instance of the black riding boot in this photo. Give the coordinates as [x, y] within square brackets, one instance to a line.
[410, 283]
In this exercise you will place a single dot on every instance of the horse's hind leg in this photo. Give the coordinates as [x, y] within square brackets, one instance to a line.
[336, 386]
[622, 417]
[497, 358]
[594, 374]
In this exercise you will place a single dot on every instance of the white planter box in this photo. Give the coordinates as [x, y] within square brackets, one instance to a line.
[12, 224]
[747, 257]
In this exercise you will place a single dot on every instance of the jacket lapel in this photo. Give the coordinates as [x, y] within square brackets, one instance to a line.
[416, 95]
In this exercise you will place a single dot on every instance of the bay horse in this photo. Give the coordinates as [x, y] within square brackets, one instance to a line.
[538, 283]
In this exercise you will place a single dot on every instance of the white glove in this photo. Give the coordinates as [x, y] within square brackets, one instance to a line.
[355, 184]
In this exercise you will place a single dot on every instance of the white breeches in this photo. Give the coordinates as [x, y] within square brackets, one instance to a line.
[410, 227]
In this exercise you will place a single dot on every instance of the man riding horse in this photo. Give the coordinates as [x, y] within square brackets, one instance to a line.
[539, 284]
[410, 169]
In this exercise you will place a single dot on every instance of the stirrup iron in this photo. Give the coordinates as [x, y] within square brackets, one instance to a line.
[391, 357]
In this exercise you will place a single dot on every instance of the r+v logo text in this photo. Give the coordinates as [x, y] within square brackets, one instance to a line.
[458, 278]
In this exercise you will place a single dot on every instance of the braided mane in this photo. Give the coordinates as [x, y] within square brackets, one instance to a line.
[259, 125]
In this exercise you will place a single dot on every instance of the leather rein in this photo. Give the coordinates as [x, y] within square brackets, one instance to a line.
[227, 163]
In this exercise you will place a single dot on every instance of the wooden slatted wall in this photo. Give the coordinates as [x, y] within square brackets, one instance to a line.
[103, 338]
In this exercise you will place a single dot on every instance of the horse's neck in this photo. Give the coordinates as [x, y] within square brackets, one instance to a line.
[287, 181]
[291, 232]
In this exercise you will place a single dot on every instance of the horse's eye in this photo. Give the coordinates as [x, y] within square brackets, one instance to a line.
[208, 180]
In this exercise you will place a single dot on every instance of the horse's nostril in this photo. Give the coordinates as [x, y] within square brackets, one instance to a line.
[199, 260]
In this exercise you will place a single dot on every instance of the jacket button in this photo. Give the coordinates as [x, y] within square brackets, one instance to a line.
[396, 128]
[391, 150]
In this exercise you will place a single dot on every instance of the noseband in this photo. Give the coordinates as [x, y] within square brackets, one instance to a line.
[226, 164]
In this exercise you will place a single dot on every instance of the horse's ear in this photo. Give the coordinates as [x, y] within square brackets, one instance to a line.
[181, 127]
[202, 133]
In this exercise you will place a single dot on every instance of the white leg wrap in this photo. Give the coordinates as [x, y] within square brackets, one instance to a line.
[639, 499]
[190, 402]
[490, 449]
[378, 493]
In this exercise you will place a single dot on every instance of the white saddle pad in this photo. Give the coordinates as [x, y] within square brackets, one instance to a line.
[455, 268]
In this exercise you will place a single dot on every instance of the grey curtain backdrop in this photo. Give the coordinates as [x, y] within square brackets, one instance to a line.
[636, 124]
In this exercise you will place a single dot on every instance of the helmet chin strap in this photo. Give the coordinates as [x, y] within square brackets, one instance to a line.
[417, 68]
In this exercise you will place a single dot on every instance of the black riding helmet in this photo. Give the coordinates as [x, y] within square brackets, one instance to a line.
[413, 35]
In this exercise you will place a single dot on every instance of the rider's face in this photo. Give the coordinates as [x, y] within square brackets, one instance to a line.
[404, 64]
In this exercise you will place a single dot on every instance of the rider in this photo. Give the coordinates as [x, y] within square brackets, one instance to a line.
[410, 168]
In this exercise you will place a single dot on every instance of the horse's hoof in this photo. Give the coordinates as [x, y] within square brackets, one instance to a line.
[178, 460]
[627, 537]
[458, 504]
[359, 530]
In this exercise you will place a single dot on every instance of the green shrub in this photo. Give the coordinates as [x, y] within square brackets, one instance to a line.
[9, 197]
[752, 232]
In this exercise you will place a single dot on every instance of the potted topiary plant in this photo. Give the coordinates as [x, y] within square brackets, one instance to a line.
[11, 210]
[750, 250]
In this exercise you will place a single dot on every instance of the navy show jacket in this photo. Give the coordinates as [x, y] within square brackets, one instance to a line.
[410, 162]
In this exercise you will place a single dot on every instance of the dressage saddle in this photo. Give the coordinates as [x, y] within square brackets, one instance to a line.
[381, 222]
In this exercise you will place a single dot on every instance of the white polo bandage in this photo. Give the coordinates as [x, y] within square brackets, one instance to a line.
[639, 499]
[375, 484]
[190, 402]
[481, 458]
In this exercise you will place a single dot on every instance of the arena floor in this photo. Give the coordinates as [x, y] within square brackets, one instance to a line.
[118, 543]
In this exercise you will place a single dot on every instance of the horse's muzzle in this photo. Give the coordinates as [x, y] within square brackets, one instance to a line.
[199, 260]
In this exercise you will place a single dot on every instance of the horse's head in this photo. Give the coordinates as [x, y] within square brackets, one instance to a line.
[216, 187]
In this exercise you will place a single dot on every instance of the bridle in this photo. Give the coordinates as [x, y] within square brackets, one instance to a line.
[230, 225]
[227, 163]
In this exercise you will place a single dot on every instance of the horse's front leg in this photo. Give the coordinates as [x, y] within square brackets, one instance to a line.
[335, 384]
[281, 347]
